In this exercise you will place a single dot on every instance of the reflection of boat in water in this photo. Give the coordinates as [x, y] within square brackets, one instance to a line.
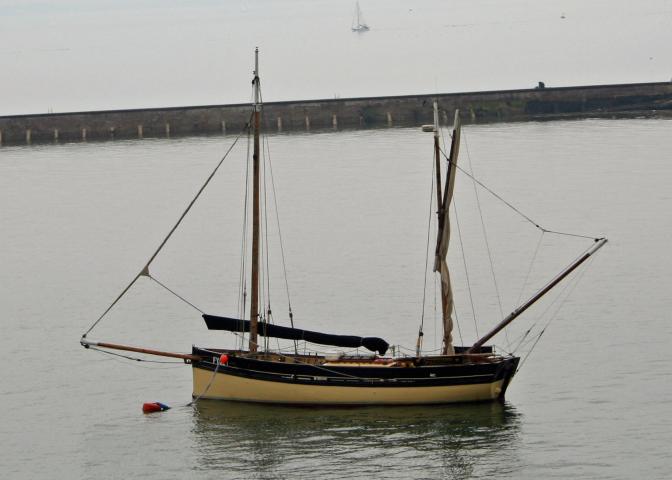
[457, 418]
[453, 441]
[260, 374]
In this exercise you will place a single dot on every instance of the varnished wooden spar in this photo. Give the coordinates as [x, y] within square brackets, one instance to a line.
[115, 346]
[254, 287]
[599, 243]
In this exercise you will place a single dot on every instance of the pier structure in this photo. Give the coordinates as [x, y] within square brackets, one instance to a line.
[342, 113]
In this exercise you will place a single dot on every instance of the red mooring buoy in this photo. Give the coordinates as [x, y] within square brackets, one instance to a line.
[223, 359]
[152, 407]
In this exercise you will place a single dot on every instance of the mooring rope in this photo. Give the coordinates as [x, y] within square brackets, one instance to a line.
[207, 388]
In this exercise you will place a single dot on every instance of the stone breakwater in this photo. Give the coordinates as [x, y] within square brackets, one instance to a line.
[342, 113]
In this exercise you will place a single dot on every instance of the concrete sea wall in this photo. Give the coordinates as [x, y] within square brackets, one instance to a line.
[406, 110]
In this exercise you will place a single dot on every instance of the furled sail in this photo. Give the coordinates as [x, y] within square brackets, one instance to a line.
[374, 344]
[443, 241]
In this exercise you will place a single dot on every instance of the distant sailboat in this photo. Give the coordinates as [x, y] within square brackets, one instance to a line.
[358, 22]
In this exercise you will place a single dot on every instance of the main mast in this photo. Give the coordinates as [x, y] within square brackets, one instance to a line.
[254, 300]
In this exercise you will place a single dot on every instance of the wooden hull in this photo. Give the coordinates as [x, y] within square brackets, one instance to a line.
[291, 384]
[231, 387]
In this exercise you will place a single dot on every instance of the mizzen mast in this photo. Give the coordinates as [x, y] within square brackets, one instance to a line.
[443, 234]
[254, 300]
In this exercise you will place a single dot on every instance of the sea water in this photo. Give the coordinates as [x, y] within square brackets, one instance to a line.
[79, 221]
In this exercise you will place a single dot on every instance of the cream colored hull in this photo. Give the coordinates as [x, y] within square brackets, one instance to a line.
[230, 387]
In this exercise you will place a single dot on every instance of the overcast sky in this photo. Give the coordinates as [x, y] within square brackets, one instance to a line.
[89, 55]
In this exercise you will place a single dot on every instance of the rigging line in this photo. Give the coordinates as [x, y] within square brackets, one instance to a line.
[265, 297]
[145, 270]
[242, 287]
[464, 261]
[459, 329]
[524, 345]
[529, 270]
[424, 287]
[436, 280]
[271, 321]
[266, 145]
[566, 292]
[530, 351]
[572, 283]
[277, 219]
[177, 295]
[242, 279]
[569, 288]
[267, 251]
[262, 257]
[563, 270]
[523, 342]
[498, 197]
[485, 237]
[265, 247]
[567, 234]
[466, 270]
[522, 339]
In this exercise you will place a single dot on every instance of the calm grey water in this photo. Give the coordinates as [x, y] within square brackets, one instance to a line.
[77, 222]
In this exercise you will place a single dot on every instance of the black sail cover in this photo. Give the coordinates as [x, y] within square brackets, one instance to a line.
[374, 344]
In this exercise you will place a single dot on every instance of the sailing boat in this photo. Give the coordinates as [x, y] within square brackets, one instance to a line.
[256, 374]
[358, 23]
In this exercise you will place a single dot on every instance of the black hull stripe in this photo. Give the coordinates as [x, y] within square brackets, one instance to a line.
[457, 369]
[322, 380]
